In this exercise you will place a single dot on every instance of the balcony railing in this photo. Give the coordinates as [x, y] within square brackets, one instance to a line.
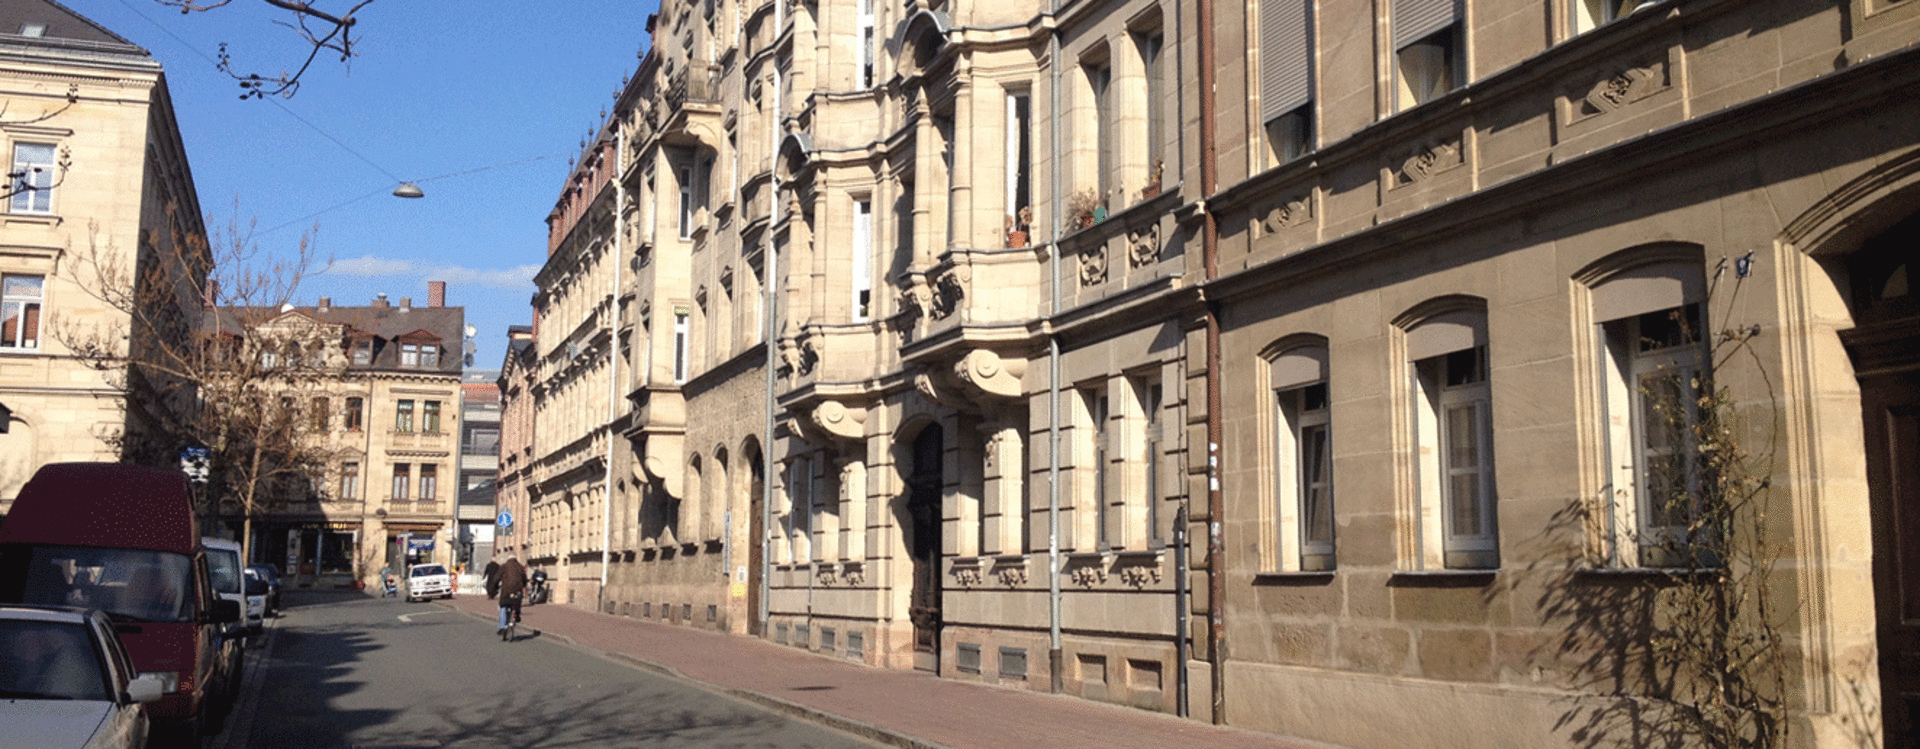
[699, 83]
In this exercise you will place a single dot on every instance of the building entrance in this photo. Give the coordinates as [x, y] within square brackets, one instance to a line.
[923, 547]
[1886, 357]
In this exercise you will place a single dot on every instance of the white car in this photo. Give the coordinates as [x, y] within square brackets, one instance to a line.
[229, 580]
[426, 581]
[66, 681]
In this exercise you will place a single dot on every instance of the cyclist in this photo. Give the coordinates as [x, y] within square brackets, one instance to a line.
[513, 582]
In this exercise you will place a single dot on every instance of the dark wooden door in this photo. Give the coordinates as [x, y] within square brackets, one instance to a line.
[1892, 413]
[923, 547]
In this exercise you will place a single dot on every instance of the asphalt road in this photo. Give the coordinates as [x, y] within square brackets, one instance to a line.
[340, 672]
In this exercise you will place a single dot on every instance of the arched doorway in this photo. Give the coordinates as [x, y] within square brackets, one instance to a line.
[1885, 350]
[923, 546]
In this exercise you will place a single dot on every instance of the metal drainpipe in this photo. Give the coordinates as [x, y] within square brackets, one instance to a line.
[1055, 657]
[772, 329]
[1210, 250]
[613, 361]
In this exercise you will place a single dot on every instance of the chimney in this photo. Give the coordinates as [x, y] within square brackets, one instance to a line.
[380, 300]
[325, 302]
[436, 293]
[406, 303]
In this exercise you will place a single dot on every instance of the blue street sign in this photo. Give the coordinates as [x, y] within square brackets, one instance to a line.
[505, 519]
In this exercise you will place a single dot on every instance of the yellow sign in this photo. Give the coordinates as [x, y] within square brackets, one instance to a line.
[737, 590]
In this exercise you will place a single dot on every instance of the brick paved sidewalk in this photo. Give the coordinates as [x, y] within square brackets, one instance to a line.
[900, 708]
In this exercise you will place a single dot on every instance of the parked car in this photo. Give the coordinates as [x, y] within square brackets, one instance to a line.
[67, 681]
[229, 580]
[426, 581]
[124, 539]
[266, 573]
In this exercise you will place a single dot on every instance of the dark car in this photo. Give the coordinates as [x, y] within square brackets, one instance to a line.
[266, 574]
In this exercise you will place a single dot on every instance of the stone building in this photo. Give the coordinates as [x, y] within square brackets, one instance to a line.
[479, 469]
[100, 174]
[390, 417]
[936, 319]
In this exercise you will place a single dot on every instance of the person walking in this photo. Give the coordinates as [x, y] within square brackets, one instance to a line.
[513, 582]
[492, 576]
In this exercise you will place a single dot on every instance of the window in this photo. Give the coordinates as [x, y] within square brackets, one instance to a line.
[1286, 79]
[866, 44]
[1020, 160]
[21, 300]
[356, 408]
[482, 441]
[320, 412]
[363, 351]
[1303, 460]
[1100, 82]
[680, 342]
[1100, 433]
[1453, 445]
[429, 481]
[801, 512]
[1650, 334]
[1655, 359]
[430, 417]
[686, 202]
[420, 355]
[862, 259]
[1147, 392]
[1150, 44]
[403, 416]
[1591, 14]
[32, 177]
[400, 476]
[1427, 50]
[350, 481]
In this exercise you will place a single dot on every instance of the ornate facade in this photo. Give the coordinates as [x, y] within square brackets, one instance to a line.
[1307, 368]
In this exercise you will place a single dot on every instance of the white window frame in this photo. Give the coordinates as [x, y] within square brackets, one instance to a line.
[1456, 475]
[1019, 147]
[682, 341]
[18, 304]
[686, 202]
[862, 273]
[32, 179]
[864, 73]
[1640, 539]
[1302, 435]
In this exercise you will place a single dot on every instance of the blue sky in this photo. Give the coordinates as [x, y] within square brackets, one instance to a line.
[497, 94]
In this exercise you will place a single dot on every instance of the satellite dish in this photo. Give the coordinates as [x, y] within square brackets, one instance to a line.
[471, 330]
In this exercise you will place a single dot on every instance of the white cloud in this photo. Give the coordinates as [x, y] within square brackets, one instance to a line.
[367, 266]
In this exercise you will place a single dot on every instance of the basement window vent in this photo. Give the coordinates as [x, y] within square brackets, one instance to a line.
[856, 644]
[779, 634]
[828, 638]
[968, 655]
[1013, 663]
[801, 638]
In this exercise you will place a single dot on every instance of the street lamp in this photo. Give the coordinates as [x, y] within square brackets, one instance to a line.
[408, 190]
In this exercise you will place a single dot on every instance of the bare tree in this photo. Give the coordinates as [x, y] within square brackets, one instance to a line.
[206, 349]
[329, 32]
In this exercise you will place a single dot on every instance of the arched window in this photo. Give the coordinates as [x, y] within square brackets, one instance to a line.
[1302, 456]
[1453, 434]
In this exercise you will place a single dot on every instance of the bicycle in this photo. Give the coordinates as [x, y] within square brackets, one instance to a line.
[510, 606]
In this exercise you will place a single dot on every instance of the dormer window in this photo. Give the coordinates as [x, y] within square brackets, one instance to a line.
[419, 355]
[362, 351]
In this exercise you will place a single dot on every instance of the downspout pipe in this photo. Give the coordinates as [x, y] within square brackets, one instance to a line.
[1055, 656]
[1210, 253]
[770, 338]
[613, 359]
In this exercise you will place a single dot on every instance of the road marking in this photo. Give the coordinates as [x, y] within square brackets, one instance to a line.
[408, 618]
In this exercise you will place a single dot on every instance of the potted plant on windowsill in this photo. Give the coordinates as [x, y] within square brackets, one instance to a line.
[1153, 181]
[1017, 228]
[1083, 208]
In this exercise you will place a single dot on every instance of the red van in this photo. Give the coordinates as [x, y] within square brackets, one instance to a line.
[123, 539]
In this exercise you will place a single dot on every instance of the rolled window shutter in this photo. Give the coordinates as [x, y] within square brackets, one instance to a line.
[1414, 20]
[1285, 83]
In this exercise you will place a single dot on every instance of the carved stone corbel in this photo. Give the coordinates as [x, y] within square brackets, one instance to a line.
[841, 422]
[985, 371]
[1143, 246]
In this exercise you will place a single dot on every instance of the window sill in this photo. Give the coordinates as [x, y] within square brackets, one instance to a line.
[1442, 578]
[1293, 578]
[1645, 573]
[49, 220]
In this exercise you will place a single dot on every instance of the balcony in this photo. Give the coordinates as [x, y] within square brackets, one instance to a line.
[699, 83]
